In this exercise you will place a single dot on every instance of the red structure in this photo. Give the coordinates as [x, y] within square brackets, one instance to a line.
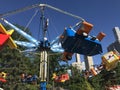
[3, 39]
[61, 78]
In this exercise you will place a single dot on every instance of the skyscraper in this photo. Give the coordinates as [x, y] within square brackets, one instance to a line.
[88, 62]
[116, 44]
[78, 63]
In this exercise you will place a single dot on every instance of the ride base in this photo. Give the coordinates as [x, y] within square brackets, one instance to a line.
[43, 85]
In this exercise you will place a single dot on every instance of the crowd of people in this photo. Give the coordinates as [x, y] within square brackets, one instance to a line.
[28, 78]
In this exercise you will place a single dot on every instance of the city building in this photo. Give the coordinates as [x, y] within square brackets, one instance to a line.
[88, 62]
[116, 44]
[78, 63]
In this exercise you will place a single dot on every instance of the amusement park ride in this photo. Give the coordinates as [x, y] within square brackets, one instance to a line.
[71, 41]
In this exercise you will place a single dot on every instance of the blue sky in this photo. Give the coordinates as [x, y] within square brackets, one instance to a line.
[103, 14]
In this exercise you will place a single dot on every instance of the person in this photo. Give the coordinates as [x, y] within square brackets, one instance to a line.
[29, 79]
[34, 79]
[86, 74]
[23, 78]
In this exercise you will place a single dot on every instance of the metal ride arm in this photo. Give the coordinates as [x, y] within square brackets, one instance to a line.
[39, 5]
[19, 10]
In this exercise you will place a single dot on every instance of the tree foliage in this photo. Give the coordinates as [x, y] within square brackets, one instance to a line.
[14, 64]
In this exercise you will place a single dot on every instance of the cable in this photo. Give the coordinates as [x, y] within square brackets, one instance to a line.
[39, 28]
[29, 22]
[31, 19]
[52, 25]
[77, 24]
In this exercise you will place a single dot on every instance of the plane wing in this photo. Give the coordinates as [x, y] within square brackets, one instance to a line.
[11, 43]
[3, 39]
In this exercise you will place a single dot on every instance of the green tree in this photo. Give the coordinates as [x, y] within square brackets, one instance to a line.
[14, 64]
[78, 82]
[106, 78]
